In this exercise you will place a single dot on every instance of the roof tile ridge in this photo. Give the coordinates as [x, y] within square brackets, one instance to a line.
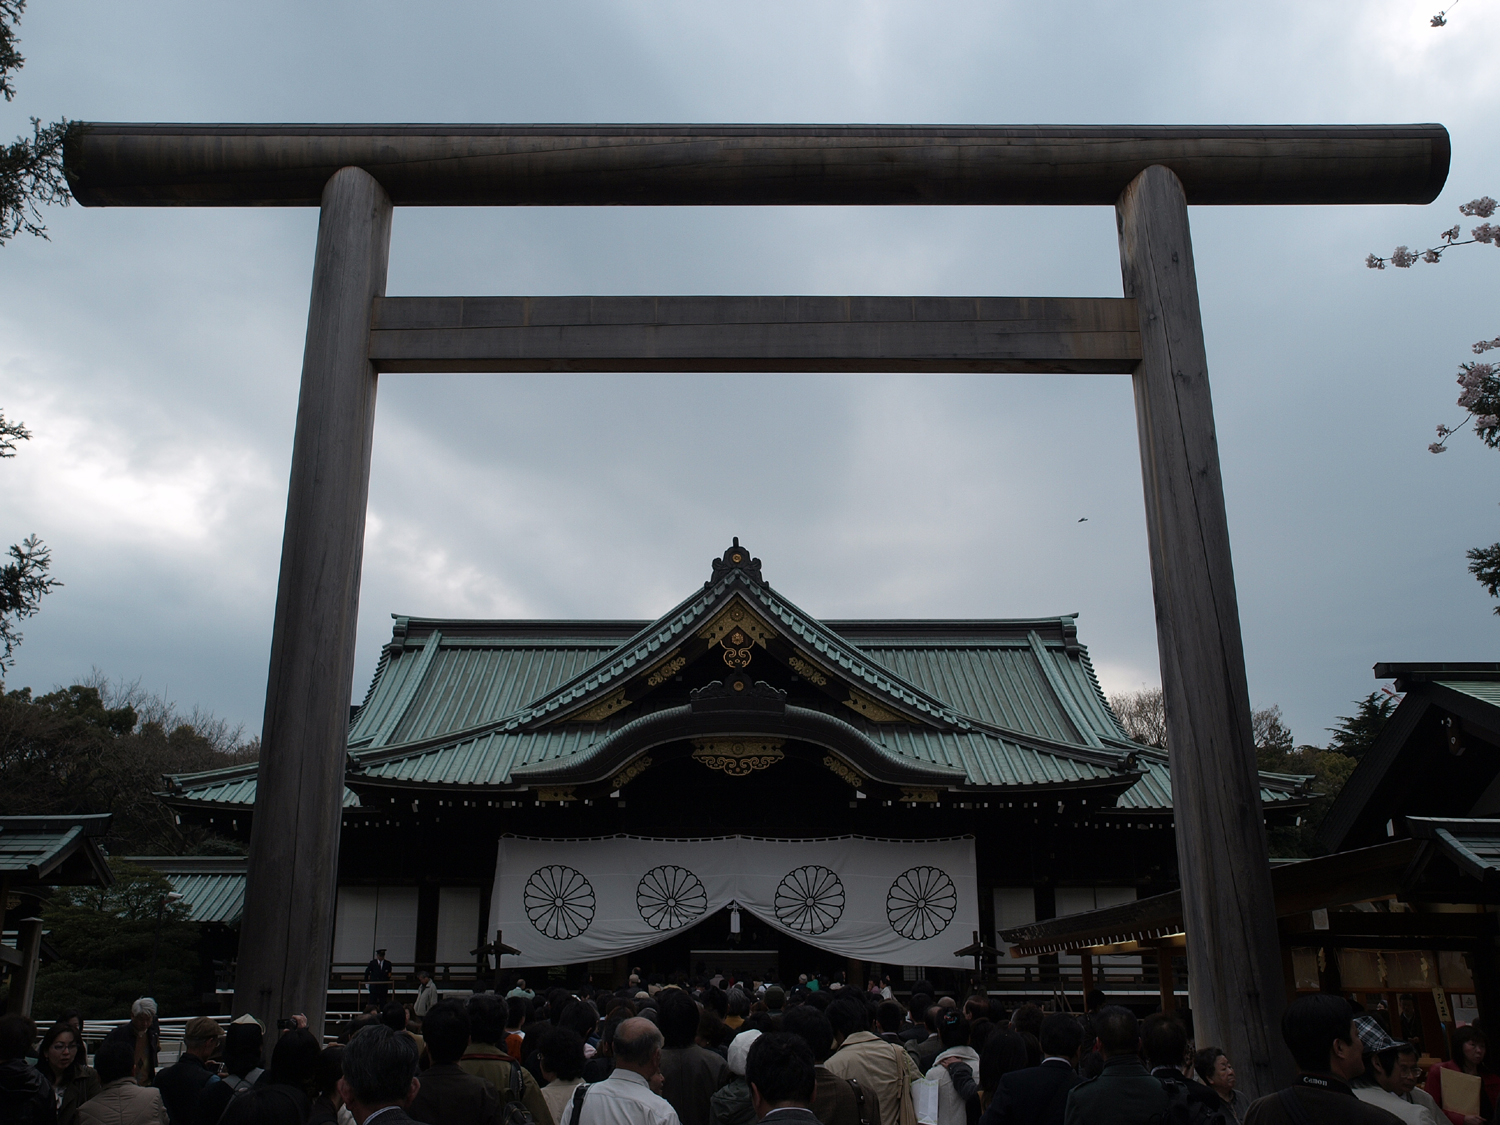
[853, 659]
[662, 630]
[1107, 756]
[379, 755]
[227, 773]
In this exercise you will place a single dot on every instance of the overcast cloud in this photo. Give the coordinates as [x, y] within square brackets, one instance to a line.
[155, 354]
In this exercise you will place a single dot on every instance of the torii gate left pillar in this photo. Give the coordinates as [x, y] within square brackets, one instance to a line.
[294, 838]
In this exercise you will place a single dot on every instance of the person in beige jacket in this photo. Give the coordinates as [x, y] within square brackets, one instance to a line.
[882, 1068]
[121, 1101]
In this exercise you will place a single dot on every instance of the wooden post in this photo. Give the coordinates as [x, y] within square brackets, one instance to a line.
[23, 977]
[1165, 983]
[1086, 965]
[287, 933]
[1234, 969]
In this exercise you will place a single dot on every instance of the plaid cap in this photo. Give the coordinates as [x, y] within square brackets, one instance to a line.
[1374, 1037]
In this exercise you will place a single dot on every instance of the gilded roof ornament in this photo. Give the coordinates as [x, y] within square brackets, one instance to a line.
[737, 558]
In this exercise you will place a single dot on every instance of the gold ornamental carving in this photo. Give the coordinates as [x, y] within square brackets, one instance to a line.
[738, 757]
[808, 671]
[630, 773]
[738, 648]
[920, 796]
[737, 615]
[871, 710]
[561, 793]
[669, 667]
[614, 701]
[843, 770]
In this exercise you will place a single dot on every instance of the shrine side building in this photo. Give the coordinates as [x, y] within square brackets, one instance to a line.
[735, 714]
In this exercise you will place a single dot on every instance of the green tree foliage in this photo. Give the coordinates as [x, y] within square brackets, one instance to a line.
[1328, 767]
[104, 939]
[90, 749]
[1354, 734]
[31, 169]
[1484, 564]
[1143, 715]
[24, 580]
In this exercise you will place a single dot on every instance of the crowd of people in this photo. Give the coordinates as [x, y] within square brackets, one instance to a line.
[721, 1053]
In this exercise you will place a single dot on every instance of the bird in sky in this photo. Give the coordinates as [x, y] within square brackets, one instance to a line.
[1083, 519]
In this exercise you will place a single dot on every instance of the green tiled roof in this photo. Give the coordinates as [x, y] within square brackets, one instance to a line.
[213, 887]
[233, 786]
[1154, 789]
[1472, 844]
[1486, 691]
[54, 850]
[473, 703]
[465, 683]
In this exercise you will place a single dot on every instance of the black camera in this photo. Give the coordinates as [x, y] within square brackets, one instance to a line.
[286, 1025]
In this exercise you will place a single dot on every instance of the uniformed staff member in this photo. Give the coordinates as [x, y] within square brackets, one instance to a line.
[378, 975]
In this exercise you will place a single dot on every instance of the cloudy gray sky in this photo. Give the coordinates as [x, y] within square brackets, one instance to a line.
[156, 353]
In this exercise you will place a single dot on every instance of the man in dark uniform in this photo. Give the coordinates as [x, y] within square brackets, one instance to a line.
[1124, 1093]
[378, 976]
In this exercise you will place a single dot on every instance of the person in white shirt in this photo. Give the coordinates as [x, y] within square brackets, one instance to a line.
[626, 1097]
[1390, 1077]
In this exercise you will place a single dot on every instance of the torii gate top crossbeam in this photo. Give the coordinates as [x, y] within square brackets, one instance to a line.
[161, 165]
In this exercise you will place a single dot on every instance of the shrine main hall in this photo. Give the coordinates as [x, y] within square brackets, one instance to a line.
[736, 787]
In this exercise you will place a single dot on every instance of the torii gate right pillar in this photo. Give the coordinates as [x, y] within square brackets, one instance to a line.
[1234, 959]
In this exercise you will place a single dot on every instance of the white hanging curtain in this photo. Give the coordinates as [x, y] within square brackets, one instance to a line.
[894, 901]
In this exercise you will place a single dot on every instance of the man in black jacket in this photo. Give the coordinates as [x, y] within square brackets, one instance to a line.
[378, 976]
[1166, 1043]
[451, 1095]
[1038, 1095]
[779, 1070]
[1319, 1031]
[182, 1082]
[1124, 1093]
[25, 1096]
[380, 1075]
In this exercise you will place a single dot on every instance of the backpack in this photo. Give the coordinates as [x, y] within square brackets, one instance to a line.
[1183, 1109]
[238, 1086]
[513, 1109]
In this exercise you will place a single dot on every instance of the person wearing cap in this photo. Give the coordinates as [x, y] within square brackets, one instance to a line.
[1318, 1029]
[1390, 1076]
[182, 1082]
[378, 976]
[730, 1104]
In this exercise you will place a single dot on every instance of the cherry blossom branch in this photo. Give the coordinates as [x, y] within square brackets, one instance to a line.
[1485, 233]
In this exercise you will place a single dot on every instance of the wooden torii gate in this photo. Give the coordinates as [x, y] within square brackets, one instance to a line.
[1149, 174]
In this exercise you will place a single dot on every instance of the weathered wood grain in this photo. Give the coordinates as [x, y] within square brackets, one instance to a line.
[805, 334]
[287, 933]
[1228, 909]
[207, 165]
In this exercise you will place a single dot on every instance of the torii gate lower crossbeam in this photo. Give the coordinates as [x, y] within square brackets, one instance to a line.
[1155, 333]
